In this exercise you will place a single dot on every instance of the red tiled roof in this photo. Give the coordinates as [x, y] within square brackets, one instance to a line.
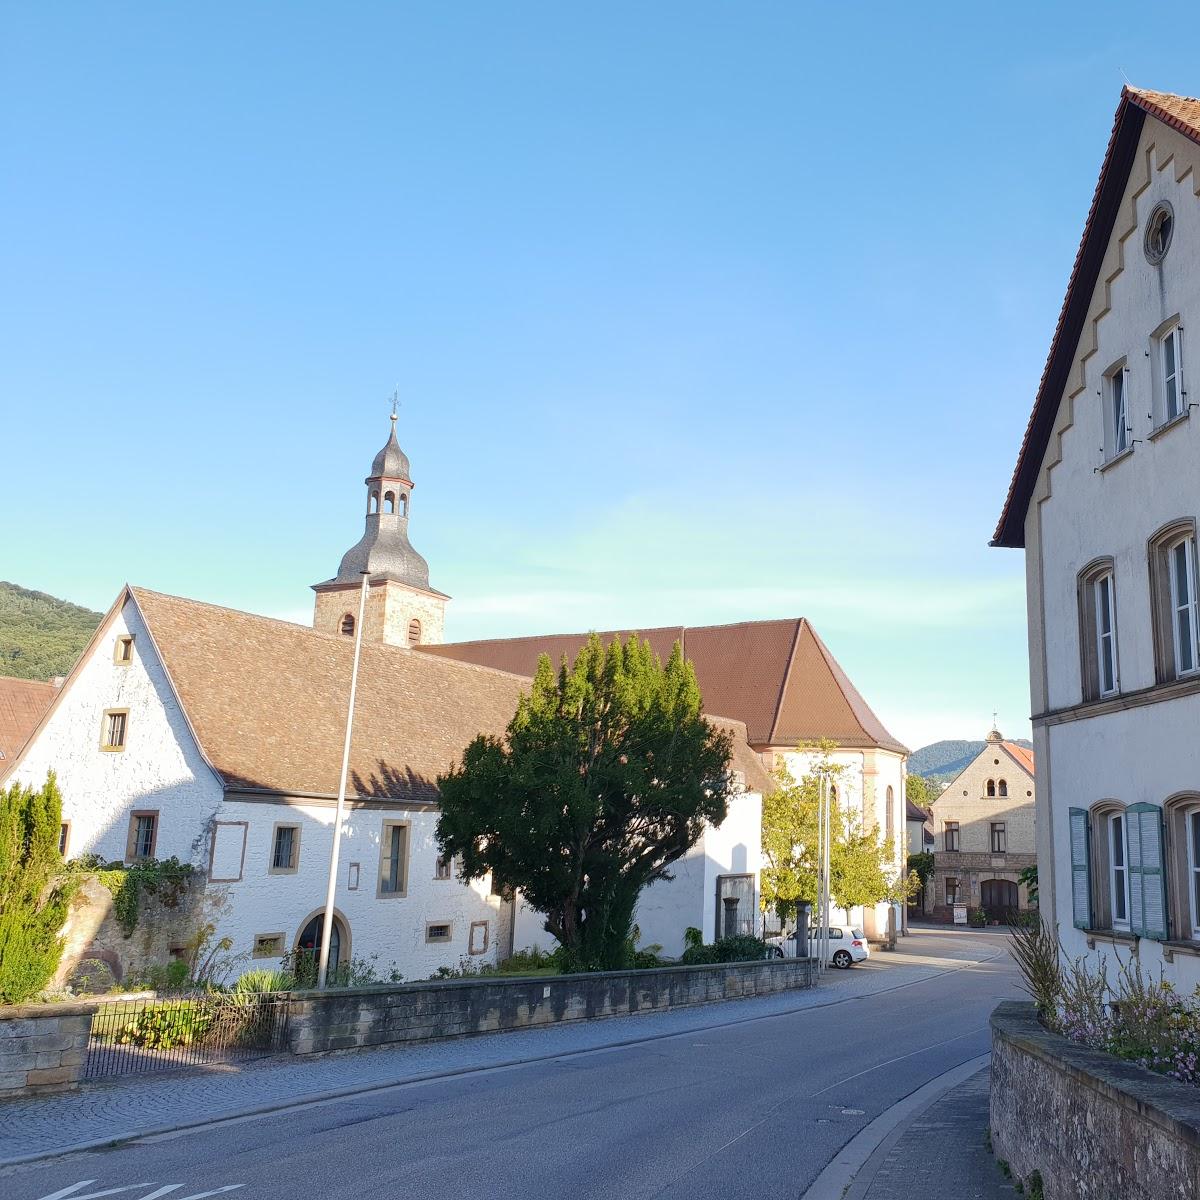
[1181, 113]
[777, 677]
[22, 703]
[1022, 754]
[265, 700]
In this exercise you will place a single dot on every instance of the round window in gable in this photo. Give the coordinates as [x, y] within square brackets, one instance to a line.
[1159, 228]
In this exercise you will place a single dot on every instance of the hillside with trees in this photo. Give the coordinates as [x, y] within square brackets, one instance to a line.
[40, 635]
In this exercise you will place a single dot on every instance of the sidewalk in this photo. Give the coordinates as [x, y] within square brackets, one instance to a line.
[941, 1154]
[102, 1113]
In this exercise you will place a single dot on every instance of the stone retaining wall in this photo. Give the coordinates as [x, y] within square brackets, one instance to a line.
[1094, 1127]
[42, 1047]
[419, 1012]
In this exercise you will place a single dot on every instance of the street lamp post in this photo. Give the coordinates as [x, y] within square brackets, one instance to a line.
[327, 922]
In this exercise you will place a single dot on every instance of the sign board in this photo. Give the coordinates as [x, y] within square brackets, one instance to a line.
[960, 914]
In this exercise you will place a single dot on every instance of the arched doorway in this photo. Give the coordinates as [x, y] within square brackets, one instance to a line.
[999, 899]
[308, 945]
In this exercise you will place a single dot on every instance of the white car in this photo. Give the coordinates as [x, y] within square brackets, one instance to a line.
[847, 945]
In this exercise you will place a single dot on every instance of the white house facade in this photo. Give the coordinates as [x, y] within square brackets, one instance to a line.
[1105, 501]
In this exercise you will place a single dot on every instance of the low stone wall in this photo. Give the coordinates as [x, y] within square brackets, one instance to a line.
[420, 1012]
[42, 1047]
[1094, 1127]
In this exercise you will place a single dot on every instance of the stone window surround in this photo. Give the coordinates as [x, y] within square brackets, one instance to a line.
[339, 918]
[124, 642]
[268, 945]
[245, 825]
[105, 747]
[384, 835]
[64, 838]
[440, 939]
[1089, 650]
[1099, 868]
[272, 869]
[471, 947]
[1158, 547]
[132, 834]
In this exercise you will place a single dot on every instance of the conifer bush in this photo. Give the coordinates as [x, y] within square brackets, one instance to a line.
[34, 893]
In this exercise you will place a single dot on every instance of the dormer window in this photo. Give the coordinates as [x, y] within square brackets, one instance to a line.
[347, 625]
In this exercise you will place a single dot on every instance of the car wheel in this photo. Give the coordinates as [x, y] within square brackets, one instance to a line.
[842, 959]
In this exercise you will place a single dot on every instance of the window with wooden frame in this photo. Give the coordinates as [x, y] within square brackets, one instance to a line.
[439, 931]
[393, 860]
[113, 729]
[1118, 433]
[285, 849]
[999, 837]
[950, 834]
[123, 650]
[951, 890]
[142, 839]
[1181, 818]
[1173, 590]
[1097, 596]
[1171, 398]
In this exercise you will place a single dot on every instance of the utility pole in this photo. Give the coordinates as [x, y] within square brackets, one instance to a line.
[327, 923]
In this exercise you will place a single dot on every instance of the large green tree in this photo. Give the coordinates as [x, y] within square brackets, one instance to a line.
[921, 791]
[863, 867]
[607, 775]
[33, 893]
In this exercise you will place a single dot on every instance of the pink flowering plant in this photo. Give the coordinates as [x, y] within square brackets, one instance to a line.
[1143, 1020]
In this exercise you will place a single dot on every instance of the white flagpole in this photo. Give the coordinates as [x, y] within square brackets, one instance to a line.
[327, 923]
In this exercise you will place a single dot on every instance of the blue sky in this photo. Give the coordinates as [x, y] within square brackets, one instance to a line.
[699, 312]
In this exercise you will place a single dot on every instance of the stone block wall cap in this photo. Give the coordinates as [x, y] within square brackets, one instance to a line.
[16, 1012]
[1173, 1106]
[476, 981]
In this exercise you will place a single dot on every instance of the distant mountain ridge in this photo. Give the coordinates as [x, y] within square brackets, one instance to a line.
[40, 635]
[944, 760]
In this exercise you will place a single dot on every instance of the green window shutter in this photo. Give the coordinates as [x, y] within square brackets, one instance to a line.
[1145, 822]
[1081, 874]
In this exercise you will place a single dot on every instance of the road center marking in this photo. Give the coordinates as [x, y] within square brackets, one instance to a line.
[160, 1191]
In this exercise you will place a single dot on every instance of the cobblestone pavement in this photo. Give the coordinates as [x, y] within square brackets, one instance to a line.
[941, 1155]
[109, 1112]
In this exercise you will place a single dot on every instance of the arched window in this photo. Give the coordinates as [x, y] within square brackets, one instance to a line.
[373, 507]
[414, 632]
[991, 787]
[1173, 593]
[890, 818]
[347, 625]
[403, 504]
[1003, 787]
[1182, 816]
[389, 502]
[1109, 845]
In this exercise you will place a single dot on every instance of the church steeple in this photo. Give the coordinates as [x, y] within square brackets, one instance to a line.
[409, 610]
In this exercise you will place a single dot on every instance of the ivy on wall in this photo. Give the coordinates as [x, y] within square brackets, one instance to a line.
[167, 881]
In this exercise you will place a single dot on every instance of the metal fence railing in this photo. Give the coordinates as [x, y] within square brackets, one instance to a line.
[169, 1032]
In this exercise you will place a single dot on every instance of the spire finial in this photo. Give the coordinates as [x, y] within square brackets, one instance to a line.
[395, 406]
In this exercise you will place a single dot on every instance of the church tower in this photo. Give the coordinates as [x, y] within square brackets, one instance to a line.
[401, 606]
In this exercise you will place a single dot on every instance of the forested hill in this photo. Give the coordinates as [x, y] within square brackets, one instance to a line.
[41, 636]
[944, 760]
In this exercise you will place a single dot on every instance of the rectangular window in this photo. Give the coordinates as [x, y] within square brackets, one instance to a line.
[442, 870]
[1193, 853]
[438, 931]
[1170, 347]
[951, 890]
[285, 850]
[1106, 635]
[1181, 561]
[1118, 418]
[123, 650]
[951, 835]
[999, 838]
[393, 859]
[1118, 871]
[143, 836]
[268, 945]
[115, 726]
[64, 837]
[477, 943]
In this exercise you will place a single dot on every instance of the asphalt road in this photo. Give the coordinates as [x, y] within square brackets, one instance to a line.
[752, 1110]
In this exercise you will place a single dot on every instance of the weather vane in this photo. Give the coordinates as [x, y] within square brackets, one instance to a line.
[395, 402]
